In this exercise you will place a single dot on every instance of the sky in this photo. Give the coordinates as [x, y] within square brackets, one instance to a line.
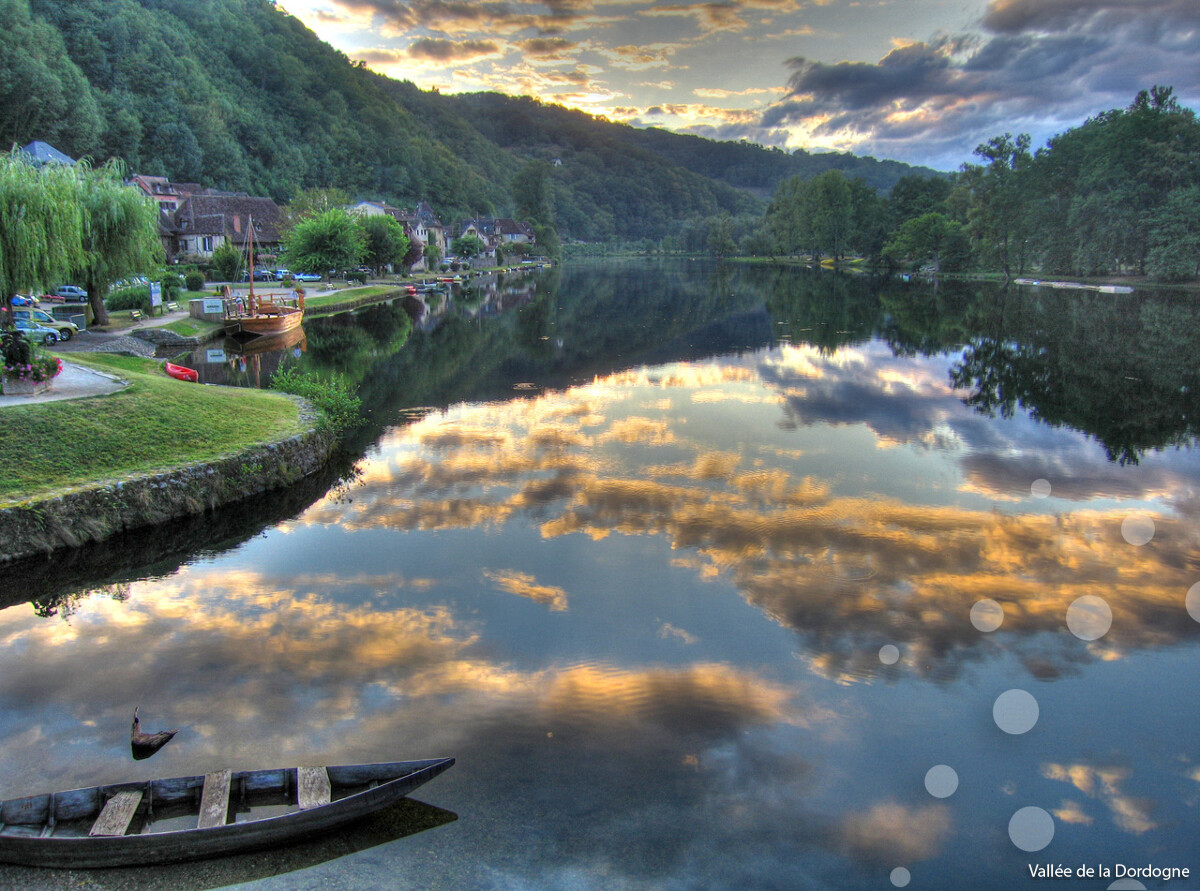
[921, 81]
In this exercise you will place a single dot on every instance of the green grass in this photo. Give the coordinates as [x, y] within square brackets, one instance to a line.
[190, 327]
[363, 293]
[154, 424]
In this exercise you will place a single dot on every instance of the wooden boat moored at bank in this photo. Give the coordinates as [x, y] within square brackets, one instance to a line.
[186, 818]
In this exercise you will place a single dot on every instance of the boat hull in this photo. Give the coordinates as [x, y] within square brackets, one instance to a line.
[395, 781]
[262, 324]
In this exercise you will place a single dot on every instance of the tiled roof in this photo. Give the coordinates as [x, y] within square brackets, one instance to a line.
[229, 215]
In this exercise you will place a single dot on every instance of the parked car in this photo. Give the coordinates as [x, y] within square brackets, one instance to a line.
[308, 276]
[281, 274]
[66, 330]
[71, 292]
[34, 331]
[260, 275]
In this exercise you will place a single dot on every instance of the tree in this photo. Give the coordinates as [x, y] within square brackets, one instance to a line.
[1175, 242]
[923, 237]
[720, 237]
[467, 246]
[228, 260]
[311, 203]
[330, 240]
[119, 233]
[432, 254]
[386, 241]
[999, 202]
[41, 225]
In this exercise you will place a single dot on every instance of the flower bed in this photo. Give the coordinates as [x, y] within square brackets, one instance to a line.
[26, 371]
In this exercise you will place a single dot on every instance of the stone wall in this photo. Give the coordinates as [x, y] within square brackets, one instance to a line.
[95, 513]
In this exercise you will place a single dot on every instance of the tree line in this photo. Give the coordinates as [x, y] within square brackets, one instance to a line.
[1119, 194]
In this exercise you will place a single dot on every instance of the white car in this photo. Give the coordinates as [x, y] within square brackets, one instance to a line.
[308, 277]
[34, 331]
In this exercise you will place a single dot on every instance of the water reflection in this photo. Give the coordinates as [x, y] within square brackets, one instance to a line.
[695, 607]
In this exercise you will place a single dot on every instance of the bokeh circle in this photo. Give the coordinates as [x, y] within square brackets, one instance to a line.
[1089, 617]
[1031, 829]
[987, 615]
[941, 781]
[1015, 711]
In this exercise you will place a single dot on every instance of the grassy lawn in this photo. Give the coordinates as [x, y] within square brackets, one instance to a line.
[363, 293]
[154, 424]
[190, 327]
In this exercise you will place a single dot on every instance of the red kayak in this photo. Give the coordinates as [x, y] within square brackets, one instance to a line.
[182, 373]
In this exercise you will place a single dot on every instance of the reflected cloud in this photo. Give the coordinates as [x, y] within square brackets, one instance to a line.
[1130, 814]
[846, 572]
[891, 833]
[524, 585]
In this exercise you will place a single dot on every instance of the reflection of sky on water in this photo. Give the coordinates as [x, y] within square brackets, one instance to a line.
[646, 615]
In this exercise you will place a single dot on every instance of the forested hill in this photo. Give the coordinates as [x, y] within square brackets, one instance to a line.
[238, 94]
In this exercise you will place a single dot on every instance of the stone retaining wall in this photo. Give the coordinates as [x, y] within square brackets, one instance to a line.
[96, 513]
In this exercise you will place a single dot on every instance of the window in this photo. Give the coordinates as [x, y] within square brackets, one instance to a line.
[207, 244]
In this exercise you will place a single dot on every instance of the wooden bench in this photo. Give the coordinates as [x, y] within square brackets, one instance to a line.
[312, 787]
[117, 814]
[135, 314]
[214, 801]
[172, 306]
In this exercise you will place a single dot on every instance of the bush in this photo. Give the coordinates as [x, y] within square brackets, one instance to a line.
[356, 276]
[135, 297]
[195, 281]
[340, 408]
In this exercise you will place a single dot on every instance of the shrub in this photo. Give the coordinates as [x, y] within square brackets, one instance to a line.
[340, 408]
[356, 276]
[135, 297]
[195, 281]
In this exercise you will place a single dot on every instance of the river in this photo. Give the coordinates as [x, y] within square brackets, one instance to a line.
[709, 577]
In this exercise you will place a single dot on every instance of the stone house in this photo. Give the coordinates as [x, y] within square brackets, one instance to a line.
[202, 223]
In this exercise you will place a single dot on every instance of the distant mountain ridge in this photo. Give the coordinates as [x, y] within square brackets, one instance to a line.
[240, 95]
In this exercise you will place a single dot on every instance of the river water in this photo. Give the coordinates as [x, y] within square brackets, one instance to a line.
[708, 577]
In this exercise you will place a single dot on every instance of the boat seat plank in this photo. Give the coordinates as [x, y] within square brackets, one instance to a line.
[117, 814]
[312, 787]
[214, 801]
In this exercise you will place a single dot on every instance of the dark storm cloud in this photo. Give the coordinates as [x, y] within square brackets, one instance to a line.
[1038, 66]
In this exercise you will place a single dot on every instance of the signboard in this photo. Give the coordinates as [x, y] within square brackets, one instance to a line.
[214, 306]
[214, 357]
[156, 293]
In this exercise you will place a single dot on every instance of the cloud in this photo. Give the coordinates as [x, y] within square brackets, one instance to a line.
[522, 584]
[1033, 66]
[549, 49]
[457, 17]
[437, 50]
[639, 57]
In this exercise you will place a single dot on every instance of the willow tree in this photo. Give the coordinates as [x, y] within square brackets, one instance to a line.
[119, 232]
[41, 225]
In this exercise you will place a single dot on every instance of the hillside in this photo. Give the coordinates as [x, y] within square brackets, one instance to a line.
[238, 94]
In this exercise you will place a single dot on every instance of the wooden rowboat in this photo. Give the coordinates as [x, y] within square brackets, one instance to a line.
[186, 818]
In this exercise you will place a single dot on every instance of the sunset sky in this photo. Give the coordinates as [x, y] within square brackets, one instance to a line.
[923, 81]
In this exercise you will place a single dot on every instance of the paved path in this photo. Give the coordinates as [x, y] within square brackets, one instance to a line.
[75, 382]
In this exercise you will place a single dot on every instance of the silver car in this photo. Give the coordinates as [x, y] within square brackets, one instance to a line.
[34, 331]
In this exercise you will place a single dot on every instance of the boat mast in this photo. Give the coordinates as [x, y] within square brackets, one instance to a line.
[250, 242]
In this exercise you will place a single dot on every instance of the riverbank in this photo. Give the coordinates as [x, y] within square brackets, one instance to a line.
[81, 470]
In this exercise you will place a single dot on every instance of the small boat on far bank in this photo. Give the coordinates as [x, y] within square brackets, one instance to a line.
[187, 818]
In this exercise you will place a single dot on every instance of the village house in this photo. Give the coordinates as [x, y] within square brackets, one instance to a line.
[202, 223]
[421, 224]
[498, 232]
